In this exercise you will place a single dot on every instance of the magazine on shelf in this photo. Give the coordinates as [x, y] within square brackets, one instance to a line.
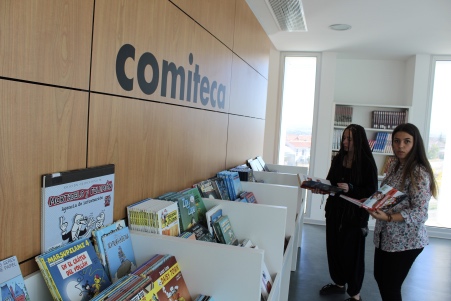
[384, 198]
[311, 183]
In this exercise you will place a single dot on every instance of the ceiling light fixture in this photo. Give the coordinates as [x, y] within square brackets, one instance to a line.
[340, 27]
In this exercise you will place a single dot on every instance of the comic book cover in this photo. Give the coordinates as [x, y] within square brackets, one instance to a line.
[73, 272]
[74, 203]
[12, 285]
[119, 253]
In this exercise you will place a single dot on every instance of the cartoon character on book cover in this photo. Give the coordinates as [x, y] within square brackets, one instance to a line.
[12, 285]
[75, 207]
[169, 284]
[75, 271]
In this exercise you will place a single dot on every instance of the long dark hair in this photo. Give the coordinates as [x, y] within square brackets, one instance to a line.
[415, 158]
[361, 151]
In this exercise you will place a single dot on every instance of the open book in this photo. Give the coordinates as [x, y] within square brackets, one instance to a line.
[384, 198]
[312, 183]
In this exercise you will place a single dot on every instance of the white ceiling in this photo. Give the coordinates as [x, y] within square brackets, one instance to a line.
[381, 29]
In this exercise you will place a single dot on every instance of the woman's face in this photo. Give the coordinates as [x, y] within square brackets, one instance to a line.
[402, 145]
[348, 142]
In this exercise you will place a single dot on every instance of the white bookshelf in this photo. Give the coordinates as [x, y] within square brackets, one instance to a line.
[223, 271]
[286, 196]
[288, 176]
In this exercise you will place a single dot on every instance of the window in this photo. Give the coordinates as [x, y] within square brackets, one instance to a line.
[439, 151]
[297, 108]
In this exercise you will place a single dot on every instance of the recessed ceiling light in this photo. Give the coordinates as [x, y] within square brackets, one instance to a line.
[340, 27]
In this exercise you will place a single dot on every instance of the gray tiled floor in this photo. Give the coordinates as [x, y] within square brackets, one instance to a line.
[429, 278]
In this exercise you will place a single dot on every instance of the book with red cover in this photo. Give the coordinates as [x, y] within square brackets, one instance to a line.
[384, 198]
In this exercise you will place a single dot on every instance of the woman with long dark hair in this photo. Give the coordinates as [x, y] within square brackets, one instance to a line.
[400, 233]
[353, 169]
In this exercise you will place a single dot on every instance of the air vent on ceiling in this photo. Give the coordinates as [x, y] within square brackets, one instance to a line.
[289, 14]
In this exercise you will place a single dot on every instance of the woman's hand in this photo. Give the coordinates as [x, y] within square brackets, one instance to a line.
[343, 186]
[378, 214]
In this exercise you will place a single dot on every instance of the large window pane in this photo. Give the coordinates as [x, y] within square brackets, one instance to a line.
[439, 152]
[297, 110]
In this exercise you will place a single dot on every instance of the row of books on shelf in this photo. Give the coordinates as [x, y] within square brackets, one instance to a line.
[336, 138]
[343, 115]
[388, 119]
[381, 143]
[74, 273]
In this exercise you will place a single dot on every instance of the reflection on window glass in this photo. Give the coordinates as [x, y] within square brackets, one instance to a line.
[439, 152]
[297, 110]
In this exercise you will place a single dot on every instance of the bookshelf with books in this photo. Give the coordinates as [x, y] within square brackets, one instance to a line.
[217, 269]
[212, 268]
[378, 122]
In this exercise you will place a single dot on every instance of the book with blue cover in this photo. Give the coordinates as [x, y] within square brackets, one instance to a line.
[73, 271]
[119, 254]
[99, 233]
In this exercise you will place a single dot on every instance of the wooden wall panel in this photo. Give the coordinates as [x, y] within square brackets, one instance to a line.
[42, 130]
[248, 90]
[160, 28]
[216, 16]
[46, 41]
[251, 42]
[245, 139]
[156, 147]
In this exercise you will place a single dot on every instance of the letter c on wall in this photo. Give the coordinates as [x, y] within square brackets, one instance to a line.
[123, 54]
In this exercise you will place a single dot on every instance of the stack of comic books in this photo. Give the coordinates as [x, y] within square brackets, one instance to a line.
[166, 279]
[154, 216]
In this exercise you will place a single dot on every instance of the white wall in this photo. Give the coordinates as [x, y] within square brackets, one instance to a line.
[380, 82]
[421, 85]
[370, 82]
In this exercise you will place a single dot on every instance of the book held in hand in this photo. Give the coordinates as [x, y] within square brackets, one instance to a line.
[384, 198]
[312, 183]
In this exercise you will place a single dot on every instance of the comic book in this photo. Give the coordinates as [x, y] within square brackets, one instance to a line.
[73, 271]
[12, 285]
[74, 203]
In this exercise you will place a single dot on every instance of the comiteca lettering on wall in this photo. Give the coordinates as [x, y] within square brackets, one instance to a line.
[197, 86]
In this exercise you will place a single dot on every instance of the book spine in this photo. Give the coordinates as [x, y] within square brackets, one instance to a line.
[48, 279]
